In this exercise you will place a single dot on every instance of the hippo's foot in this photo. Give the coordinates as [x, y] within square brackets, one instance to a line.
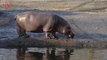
[48, 38]
[54, 37]
[51, 37]
[24, 36]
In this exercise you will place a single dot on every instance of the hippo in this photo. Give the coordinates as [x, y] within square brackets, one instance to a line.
[48, 23]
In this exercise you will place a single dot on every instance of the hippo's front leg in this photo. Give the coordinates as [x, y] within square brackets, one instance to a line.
[47, 35]
[54, 35]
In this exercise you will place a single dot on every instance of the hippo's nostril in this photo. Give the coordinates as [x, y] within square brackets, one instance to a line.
[71, 36]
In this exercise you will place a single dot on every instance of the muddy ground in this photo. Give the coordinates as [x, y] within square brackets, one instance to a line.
[85, 25]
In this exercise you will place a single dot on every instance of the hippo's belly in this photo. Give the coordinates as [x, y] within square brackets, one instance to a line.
[35, 29]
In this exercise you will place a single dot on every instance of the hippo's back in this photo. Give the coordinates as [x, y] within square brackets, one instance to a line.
[32, 21]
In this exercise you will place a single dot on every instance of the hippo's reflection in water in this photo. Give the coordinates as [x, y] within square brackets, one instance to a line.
[60, 55]
[49, 55]
[20, 53]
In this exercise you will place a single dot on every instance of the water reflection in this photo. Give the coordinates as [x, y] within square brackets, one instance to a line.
[20, 53]
[91, 54]
[78, 54]
[50, 54]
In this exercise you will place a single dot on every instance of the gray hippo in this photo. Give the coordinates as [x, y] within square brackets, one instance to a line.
[48, 23]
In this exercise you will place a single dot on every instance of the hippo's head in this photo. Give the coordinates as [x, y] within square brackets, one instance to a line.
[67, 31]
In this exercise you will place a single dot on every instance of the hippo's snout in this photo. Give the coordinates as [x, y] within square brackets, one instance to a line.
[71, 35]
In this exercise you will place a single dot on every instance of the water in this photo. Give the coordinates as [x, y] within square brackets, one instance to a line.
[89, 54]
[8, 54]
[78, 54]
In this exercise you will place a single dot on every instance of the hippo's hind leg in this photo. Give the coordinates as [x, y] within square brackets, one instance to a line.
[21, 32]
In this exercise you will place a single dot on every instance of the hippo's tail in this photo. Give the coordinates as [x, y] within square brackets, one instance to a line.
[16, 20]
